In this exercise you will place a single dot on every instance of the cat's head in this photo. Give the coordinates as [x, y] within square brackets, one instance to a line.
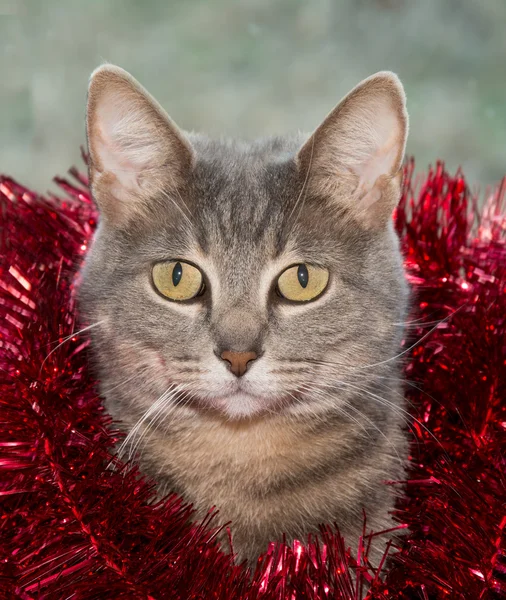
[242, 278]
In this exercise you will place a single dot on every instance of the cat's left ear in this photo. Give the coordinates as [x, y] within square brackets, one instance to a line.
[136, 151]
[355, 156]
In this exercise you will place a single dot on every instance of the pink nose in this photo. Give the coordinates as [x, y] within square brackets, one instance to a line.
[238, 361]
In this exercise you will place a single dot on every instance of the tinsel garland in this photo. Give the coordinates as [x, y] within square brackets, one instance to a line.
[77, 523]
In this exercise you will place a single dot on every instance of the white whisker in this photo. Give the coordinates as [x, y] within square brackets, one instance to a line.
[352, 369]
[133, 431]
[407, 415]
[125, 381]
[69, 337]
[159, 408]
[357, 411]
[183, 214]
[304, 184]
[161, 415]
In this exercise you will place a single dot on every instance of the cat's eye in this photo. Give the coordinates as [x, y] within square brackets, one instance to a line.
[302, 283]
[177, 280]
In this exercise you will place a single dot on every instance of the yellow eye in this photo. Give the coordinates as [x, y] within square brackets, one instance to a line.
[303, 282]
[177, 280]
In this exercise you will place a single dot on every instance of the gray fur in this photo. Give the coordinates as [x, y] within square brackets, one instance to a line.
[283, 464]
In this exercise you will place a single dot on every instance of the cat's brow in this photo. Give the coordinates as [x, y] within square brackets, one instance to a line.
[304, 185]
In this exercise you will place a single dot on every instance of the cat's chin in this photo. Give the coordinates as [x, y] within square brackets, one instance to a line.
[242, 405]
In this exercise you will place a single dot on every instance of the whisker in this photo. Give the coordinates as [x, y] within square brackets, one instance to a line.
[160, 416]
[419, 321]
[418, 341]
[159, 409]
[419, 325]
[327, 396]
[400, 410]
[184, 215]
[363, 416]
[405, 351]
[69, 337]
[108, 390]
[145, 416]
[369, 378]
[305, 182]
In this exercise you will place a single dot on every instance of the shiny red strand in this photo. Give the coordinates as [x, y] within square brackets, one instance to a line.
[77, 523]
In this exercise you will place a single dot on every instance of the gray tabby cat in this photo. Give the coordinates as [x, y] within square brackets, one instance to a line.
[246, 303]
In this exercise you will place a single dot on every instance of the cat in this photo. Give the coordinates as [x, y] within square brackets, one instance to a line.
[246, 303]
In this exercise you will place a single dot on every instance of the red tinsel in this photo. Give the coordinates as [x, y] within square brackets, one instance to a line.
[76, 523]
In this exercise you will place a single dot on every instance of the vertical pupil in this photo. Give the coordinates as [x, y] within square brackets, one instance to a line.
[303, 275]
[177, 273]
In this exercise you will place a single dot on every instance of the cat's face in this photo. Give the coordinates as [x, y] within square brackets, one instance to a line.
[184, 274]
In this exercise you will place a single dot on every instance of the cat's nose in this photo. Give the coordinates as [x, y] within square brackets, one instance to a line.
[238, 361]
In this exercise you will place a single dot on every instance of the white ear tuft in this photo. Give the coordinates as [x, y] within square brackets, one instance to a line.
[135, 149]
[362, 141]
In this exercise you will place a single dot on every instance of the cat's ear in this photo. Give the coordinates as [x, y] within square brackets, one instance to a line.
[356, 154]
[136, 151]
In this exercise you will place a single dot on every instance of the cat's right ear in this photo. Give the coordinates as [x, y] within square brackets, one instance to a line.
[136, 151]
[354, 157]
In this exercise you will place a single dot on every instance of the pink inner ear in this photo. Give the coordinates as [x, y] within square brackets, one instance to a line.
[378, 145]
[125, 139]
[114, 160]
[369, 198]
[381, 163]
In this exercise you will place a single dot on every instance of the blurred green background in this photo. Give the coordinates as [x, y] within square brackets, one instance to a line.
[254, 67]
